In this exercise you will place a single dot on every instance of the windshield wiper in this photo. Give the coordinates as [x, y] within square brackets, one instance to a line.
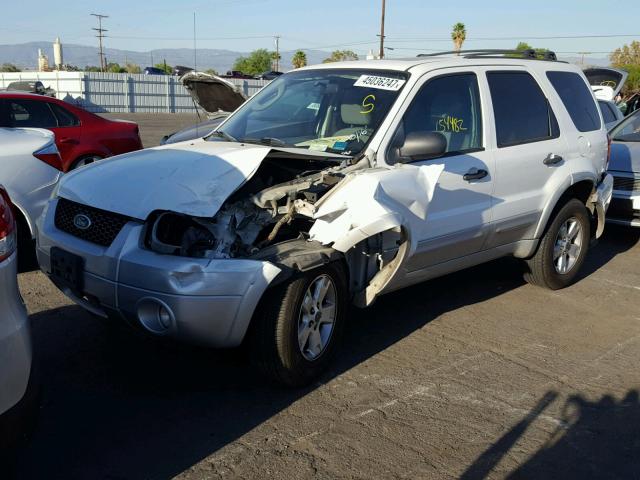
[271, 141]
[224, 135]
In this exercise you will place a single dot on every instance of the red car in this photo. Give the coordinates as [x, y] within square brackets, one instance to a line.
[81, 136]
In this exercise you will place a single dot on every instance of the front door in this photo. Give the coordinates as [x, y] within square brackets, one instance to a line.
[459, 214]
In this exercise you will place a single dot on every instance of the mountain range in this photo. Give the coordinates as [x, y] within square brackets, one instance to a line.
[25, 56]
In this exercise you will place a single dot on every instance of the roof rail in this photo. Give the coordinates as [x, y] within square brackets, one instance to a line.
[528, 54]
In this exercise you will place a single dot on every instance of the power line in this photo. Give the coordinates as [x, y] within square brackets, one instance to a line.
[100, 36]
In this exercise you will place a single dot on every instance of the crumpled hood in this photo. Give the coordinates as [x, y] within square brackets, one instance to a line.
[213, 93]
[193, 178]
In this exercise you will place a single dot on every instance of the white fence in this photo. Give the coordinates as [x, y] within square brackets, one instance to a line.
[121, 92]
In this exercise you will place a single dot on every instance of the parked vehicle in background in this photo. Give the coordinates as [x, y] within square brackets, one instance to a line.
[82, 137]
[268, 75]
[29, 170]
[216, 96]
[610, 113]
[179, 70]
[625, 168]
[154, 71]
[18, 399]
[36, 87]
[334, 185]
[236, 74]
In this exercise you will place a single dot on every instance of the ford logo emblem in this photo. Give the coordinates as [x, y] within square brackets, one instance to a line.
[81, 221]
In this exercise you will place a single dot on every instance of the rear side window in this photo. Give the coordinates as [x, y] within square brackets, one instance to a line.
[521, 110]
[607, 113]
[65, 117]
[30, 113]
[577, 99]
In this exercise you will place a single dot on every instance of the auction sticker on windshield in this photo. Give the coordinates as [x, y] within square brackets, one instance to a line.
[381, 83]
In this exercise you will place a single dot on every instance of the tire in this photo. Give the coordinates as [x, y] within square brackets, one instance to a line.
[83, 161]
[562, 249]
[283, 316]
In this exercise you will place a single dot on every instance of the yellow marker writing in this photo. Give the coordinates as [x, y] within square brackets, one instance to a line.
[368, 107]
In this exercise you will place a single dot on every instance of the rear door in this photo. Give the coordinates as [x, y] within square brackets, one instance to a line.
[68, 132]
[530, 151]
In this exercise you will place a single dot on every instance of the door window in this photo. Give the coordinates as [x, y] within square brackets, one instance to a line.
[449, 105]
[521, 110]
[30, 113]
[577, 99]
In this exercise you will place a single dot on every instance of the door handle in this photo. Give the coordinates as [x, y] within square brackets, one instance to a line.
[71, 141]
[475, 174]
[552, 159]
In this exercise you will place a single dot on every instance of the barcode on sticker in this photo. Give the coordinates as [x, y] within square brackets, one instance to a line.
[382, 83]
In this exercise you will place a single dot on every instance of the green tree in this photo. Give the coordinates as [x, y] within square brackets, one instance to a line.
[91, 68]
[113, 67]
[458, 35]
[8, 67]
[257, 62]
[211, 71]
[341, 56]
[627, 58]
[132, 68]
[626, 55]
[522, 46]
[299, 59]
[168, 69]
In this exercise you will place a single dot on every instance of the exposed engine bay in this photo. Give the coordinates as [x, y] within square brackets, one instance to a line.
[276, 204]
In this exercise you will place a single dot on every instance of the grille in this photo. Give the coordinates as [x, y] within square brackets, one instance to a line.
[627, 184]
[104, 226]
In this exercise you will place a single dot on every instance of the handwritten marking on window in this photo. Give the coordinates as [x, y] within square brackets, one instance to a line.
[450, 124]
[368, 107]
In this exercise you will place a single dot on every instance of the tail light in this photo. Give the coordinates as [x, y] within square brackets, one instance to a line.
[7, 226]
[49, 154]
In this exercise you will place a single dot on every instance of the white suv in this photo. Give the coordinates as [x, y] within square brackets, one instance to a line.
[333, 185]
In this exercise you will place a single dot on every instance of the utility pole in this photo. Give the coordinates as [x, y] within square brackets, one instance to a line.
[195, 68]
[100, 36]
[381, 55]
[277, 38]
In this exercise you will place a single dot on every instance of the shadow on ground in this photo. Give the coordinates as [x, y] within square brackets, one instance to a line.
[116, 406]
[594, 440]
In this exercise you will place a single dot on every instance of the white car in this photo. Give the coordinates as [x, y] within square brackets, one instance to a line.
[606, 83]
[17, 386]
[26, 172]
[333, 185]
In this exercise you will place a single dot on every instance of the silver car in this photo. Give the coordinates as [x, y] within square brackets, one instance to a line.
[17, 391]
[625, 168]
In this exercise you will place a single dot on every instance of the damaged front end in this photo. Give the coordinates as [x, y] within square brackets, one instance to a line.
[277, 204]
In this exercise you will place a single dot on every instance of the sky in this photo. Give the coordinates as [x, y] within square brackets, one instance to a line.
[412, 26]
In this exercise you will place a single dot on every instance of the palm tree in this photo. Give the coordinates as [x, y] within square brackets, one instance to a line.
[299, 59]
[458, 35]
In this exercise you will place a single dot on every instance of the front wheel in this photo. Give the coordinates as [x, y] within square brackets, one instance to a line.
[297, 332]
[562, 249]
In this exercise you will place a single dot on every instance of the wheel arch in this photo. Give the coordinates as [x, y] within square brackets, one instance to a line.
[581, 188]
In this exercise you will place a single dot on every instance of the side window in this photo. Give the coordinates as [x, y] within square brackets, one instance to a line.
[64, 117]
[449, 105]
[607, 114]
[521, 110]
[577, 99]
[30, 113]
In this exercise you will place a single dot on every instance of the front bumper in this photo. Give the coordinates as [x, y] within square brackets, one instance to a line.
[209, 302]
[625, 205]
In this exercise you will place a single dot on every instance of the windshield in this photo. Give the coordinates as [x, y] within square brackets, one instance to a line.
[628, 130]
[333, 110]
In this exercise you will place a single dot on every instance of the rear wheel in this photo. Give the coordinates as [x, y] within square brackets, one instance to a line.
[83, 161]
[297, 333]
[562, 249]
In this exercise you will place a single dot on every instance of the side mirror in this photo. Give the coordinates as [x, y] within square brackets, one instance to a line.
[423, 146]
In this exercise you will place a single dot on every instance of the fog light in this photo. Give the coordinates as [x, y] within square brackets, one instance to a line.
[155, 316]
